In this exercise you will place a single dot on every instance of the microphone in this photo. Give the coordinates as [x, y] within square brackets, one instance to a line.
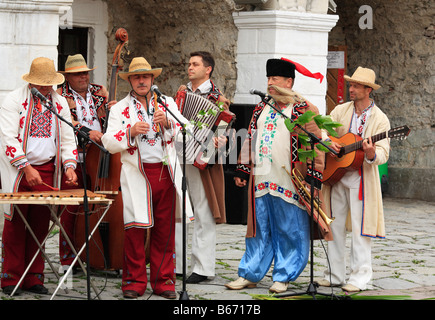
[259, 93]
[35, 92]
[155, 89]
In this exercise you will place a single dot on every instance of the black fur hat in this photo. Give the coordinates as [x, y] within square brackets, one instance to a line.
[279, 67]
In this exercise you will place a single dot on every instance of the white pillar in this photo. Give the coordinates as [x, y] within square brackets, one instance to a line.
[30, 30]
[298, 36]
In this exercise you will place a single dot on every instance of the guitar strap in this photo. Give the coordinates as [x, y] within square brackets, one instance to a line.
[361, 120]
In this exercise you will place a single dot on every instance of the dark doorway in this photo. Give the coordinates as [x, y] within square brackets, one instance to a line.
[72, 41]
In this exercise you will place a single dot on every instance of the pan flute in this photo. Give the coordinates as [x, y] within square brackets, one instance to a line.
[208, 121]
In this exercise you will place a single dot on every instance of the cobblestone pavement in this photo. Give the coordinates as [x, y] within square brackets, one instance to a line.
[403, 264]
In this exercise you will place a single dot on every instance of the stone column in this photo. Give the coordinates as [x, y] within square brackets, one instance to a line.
[30, 29]
[299, 36]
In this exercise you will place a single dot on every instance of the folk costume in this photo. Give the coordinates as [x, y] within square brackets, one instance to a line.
[277, 223]
[207, 193]
[31, 135]
[151, 185]
[87, 114]
[356, 200]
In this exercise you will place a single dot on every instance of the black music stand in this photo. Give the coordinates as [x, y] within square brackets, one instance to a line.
[312, 287]
[183, 294]
[84, 137]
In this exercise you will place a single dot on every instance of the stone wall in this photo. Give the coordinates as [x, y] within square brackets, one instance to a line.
[401, 49]
[165, 32]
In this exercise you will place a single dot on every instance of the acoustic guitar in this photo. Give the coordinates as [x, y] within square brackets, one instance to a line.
[351, 155]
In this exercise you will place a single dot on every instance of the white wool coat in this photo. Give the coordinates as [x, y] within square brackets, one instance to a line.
[136, 190]
[372, 224]
[15, 122]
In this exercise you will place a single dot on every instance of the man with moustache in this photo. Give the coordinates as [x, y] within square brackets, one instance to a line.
[359, 191]
[143, 132]
[87, 102]
[278, 224]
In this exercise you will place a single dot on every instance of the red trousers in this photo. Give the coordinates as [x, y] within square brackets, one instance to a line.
[162, 242]
[68, 220]
[19, 247]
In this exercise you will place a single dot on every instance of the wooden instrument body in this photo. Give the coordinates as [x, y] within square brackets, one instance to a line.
[107, 246]
[337, 166]
[63, 197]
[351, 155]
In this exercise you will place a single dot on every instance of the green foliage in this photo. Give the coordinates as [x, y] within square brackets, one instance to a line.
[202, 113]
[323, 122]
[343, 296]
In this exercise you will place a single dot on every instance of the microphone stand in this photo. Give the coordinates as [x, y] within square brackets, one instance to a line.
[183, 294]
[311, 290]
[84, 137]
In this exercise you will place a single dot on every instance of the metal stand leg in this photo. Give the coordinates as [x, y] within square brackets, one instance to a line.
[77, 256]
[40, 245]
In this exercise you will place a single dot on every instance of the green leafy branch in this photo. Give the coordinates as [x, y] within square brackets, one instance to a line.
[202, 113]
[323, 122]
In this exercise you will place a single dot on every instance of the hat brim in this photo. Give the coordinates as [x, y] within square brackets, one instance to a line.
[77, 70]
[156, 72]
[374, 86]
[58, 79]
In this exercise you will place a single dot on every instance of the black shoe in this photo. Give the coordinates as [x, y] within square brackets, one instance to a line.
[196, 278]
[39, 289]
[9, 289]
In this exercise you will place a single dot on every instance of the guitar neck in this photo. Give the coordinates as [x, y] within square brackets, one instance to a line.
[358, 145]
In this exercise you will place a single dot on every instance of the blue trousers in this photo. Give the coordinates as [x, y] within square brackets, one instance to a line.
[283, 236]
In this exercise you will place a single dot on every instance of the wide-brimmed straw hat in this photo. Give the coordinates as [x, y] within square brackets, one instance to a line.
[76, 63]
[43, 73]
[364, 76]
[139, 65]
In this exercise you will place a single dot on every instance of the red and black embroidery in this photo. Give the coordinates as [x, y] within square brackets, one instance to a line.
[42, 123]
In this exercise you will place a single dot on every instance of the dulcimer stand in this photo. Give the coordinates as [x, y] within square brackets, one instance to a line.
[84, 139]
[53, 199]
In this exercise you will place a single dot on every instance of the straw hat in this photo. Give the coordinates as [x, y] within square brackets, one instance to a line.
[364, 76]
[139, 65]
[43, 73]
[76, 63]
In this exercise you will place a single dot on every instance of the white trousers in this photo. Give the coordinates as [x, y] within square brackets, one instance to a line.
[204, 229]
[344, 199]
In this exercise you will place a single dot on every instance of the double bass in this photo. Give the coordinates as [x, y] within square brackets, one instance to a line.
[106, 246]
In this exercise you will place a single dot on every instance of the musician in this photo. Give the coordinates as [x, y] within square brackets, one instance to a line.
[359, 191]
[143, 133]
[87, 102]
[278, 224]
[207, 186]
[37, 147]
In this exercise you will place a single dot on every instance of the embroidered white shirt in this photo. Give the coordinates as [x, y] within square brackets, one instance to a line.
[41, 146]
[150, 144]
[85, 110]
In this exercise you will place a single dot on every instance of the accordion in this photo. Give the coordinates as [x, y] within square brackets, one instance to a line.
[208, 121]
